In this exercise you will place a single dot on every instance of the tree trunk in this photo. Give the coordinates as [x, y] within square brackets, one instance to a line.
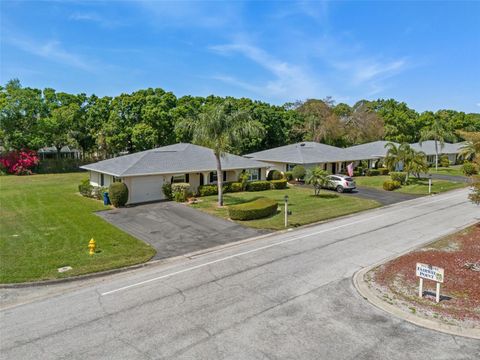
[436, 155]
[219, 180]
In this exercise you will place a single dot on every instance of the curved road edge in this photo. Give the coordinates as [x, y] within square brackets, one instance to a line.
[364, 290]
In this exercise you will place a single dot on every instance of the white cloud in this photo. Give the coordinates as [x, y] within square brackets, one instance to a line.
[94, 17]
[289, 80]
[51, 50]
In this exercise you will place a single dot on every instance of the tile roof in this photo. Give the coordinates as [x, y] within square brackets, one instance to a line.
[176, 158]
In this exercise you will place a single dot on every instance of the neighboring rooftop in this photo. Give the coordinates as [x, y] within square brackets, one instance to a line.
[176, 158]
[302, 153]
[428, 147]
[371, 150]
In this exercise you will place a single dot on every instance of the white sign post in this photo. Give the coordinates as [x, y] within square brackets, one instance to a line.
[429, 272]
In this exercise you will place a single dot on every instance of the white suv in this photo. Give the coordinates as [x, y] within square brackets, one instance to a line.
[341, 183]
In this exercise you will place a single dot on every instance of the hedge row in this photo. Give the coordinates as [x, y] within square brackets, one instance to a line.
[256, 209]
[229, 187]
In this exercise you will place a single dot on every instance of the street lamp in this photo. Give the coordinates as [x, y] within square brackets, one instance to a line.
[286, 210]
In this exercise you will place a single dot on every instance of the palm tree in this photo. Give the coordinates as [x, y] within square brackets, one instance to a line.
[401, 155]
[318, 178]
[221, 128]
[419, 164]
[438, 133]
[471, 149]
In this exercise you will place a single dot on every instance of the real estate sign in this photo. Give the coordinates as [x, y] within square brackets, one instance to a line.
[430, 272]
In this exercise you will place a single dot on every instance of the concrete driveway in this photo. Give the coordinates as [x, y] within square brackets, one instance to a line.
[175, 229]
[382, 196]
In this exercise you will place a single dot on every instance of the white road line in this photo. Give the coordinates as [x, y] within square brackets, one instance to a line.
[254, 250]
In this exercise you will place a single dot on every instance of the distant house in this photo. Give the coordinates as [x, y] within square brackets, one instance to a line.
[371, 152]
[308, 154]
[50, 152]
[145, 172]
[428, 147]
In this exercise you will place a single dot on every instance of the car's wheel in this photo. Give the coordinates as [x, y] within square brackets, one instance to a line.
[339, 189]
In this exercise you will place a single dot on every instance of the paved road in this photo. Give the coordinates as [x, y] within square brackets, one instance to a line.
[175, 229]
[287, 296]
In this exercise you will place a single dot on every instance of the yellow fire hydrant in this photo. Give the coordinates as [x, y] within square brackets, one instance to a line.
[92, 245]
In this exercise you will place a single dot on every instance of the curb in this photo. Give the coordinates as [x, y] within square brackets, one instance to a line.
[365, 291]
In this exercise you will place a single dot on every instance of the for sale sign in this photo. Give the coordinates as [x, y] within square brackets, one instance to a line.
[430, 272]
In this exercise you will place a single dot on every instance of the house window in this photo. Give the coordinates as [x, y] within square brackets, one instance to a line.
[290, 167]
[254, 174]
[183, 178]
[102, 180]
[213, 176]
[116, 179]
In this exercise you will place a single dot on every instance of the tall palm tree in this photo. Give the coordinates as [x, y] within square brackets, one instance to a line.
[221, 128]
[471, 149]
[438, 133]
[419, 164]
[318, 178]
[401, 155]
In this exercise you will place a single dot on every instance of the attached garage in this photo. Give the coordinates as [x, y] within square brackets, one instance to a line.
[145, 188]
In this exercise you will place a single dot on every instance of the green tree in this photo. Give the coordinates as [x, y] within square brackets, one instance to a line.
[57, 126]
[144, 137]
[471, 149]
[437, 132]
[221, 127]
[399, 157]
[318, 178]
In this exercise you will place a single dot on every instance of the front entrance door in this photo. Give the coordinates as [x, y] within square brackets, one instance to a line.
[334, 168]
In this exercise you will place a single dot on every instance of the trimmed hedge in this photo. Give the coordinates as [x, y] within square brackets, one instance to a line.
[384, 171]
[469, 169]
[256, 209]
[118, 194]
[274, 175]
[399, 176]
[278, 184]
[259, 185]
[373, 172]
[236, 187]
[391, 185]
[181, 191]
[207, 190]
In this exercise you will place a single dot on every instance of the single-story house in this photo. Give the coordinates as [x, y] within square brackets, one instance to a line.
[428, 147]
[66, 152]
[145, 172]
[371, 152]
[307, 154]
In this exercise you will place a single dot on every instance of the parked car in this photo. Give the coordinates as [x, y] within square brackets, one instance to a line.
[341, 183]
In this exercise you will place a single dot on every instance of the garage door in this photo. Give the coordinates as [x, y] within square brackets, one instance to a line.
[146, 188]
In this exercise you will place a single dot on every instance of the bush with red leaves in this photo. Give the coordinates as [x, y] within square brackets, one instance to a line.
[19, 162]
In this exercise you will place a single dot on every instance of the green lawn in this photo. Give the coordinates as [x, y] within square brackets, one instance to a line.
[45, 224]
[455, 170]
[306, 208]
[416, 186]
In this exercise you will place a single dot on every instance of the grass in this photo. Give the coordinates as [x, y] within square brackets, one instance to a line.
[455, 170]
[306, 208]
[45, 224]
[415, 186]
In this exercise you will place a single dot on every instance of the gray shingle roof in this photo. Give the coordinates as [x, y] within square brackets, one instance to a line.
[428, 147]
[302, 153]
[371, 150]
[177, 158]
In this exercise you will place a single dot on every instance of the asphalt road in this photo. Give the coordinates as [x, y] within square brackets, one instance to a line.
[286, 296]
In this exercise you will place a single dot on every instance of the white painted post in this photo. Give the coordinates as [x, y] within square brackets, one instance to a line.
[286, 214]
[420, 288]
[437, 297]
[430, 184]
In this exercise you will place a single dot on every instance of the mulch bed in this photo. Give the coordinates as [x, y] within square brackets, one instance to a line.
[459, 255]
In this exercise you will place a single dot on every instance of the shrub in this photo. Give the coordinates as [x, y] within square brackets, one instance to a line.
[384, 171]
[97, 192]
[236, 187]
[298, 172]
[243, 179]
[181, 191]
[167, 191]
[207, 190]
[288, 175]
[118, 193]
[373, 172]
[278, 184]
[256, 209]
[444, 160]
[85, 188]
[19, 162]
[391, 185]
[469, 169]
[274, 175]
[399, 176]
[258, 185]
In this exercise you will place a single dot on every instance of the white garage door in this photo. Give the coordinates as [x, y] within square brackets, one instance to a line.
[146, 188]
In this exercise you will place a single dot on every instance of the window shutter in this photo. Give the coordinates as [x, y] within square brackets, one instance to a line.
[224, 176]
[187, 178]
[259, 173]
[211, 176]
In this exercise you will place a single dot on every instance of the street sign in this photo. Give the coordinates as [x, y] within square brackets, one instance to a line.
[429, 272]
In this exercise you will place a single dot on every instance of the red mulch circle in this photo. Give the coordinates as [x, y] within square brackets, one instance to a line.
[461, 288]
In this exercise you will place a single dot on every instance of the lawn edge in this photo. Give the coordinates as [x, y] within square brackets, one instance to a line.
[366, 293]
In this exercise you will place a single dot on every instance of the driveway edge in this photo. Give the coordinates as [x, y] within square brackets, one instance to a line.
[364, 289]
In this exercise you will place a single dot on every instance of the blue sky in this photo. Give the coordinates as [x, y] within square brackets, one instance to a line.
[424, 53]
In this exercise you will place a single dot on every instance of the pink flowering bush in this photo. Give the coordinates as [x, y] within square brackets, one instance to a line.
[19, 162]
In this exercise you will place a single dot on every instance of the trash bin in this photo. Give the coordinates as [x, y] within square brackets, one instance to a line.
[106, 199]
